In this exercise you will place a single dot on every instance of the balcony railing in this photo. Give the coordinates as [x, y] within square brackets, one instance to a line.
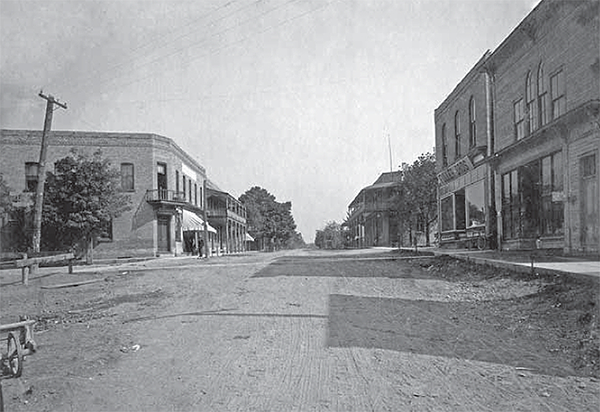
[164, 195]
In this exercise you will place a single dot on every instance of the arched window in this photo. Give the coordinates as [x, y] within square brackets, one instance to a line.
[530, 105]
[457, 135]
[542, 95]
[472, 127]
[444, 147]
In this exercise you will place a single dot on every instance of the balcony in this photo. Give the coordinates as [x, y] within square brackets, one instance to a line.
[169, 199]
[164, 195]
[223, 213]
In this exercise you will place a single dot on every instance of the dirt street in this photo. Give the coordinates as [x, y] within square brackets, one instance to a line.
[304, 331]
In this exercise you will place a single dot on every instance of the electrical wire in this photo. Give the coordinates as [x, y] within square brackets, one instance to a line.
[93, 75]
[239, 41]
[181, 49]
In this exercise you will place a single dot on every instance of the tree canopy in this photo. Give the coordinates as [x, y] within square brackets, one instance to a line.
[82, 196]
[415, 205]
[269, 222]
[332, 236]
[5, 201]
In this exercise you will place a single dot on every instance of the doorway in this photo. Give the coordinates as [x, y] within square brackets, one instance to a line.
[590, 236]
[164, 238]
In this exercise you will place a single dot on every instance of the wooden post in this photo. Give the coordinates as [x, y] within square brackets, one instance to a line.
[205, 219]
[25, 275]
[89, 253]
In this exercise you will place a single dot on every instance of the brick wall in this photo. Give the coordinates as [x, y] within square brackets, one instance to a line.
[562, 37]
[473, 85]
[134, 231]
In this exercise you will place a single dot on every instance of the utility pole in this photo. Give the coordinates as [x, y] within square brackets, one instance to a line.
[390, 150]
[39, 192]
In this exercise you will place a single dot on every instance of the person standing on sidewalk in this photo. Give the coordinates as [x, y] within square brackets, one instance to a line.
[200, 248]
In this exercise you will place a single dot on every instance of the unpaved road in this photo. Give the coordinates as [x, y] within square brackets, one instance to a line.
[292, 331]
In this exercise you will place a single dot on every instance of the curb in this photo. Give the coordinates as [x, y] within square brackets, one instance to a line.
[517, 267]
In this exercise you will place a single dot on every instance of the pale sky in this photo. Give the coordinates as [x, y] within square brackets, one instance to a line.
[296, 96]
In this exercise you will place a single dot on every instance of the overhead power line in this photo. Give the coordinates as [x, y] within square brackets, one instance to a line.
[159, 41]
[229, 45]
[166, 54]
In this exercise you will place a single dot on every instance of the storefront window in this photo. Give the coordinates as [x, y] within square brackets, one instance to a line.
[510, 205]
[447, 214]
[552, 218]
[529, 189]
[475, 204]
[532, 199]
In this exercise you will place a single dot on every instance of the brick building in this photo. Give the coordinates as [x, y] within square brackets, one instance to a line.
[165, 185]
[544, 139]
[463, 127]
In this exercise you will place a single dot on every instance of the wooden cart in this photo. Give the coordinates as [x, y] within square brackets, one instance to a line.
[20, 343]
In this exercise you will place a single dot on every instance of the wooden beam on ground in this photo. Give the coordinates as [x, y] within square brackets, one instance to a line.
[73, 284]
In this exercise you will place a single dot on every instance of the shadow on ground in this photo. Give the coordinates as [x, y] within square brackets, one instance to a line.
[449, 329]
[388, 266]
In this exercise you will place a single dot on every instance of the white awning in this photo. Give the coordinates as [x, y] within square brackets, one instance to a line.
[191, 221]
[249, 238]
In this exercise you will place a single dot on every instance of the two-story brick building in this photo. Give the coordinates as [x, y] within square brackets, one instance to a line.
[164, 182]
[544, 140]
[463, 126]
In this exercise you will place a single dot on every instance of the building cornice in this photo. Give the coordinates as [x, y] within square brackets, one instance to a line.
[97, 139]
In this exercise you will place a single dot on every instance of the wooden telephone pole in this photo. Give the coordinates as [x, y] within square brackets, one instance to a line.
[39, 191]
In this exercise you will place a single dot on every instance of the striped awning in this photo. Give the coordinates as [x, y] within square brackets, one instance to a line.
[192, 221]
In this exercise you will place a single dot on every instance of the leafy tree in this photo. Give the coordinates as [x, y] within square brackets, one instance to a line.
[330, 237]
[415, 201]
[5, 201]
[296, 241]
[422, 186]
[269, 222]
[82, 196]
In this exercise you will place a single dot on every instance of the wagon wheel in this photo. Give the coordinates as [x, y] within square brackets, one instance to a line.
[481, 242]
[15, 355]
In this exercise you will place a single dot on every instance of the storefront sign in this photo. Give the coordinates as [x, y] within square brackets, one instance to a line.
[457, 169]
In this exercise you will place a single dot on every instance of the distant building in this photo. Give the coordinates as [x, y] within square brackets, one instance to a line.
[370, 221]
[542, 87]
[228, 216]
[164, 182]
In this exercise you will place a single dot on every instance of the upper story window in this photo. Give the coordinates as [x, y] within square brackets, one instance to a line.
[519, 119]
[457, 135]
[542, 97]
[161, 180]
[127, 181]
[472, 126]
[31, 176]
[177, 181]
[557, 92]
[530, 101]
[444, 147]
